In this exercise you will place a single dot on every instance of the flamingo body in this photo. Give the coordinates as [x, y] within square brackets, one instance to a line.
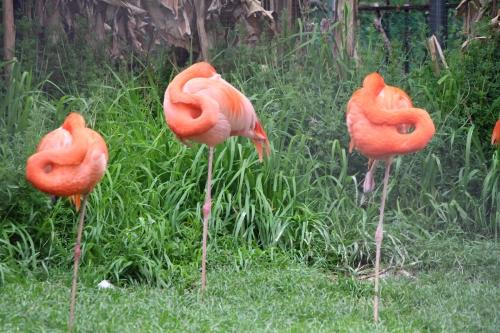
[69, 161]
[378, 117]
[202, 107]
[495, 137]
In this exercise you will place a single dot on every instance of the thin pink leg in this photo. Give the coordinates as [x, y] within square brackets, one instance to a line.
[206, 213]
[379, 236]
[77, 259]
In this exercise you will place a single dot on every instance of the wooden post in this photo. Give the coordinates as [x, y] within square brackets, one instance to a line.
[289, 13]
[199, 6]
[348, 28]
[432, 49]
[9, 36]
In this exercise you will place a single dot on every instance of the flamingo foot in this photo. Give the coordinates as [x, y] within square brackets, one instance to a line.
[184, 141]
[369, 183]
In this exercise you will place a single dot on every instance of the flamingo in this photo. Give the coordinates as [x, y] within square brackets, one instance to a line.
[378, 117]
[495, 137]
[202, 107]
[69, 161]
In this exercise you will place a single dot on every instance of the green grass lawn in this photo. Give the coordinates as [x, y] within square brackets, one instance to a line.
[456, 290]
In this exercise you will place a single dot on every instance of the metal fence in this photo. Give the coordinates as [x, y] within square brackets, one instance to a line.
[412, 23]
[403, 22]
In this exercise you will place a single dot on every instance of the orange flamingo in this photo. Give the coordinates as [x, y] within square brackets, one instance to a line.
[201, 107]
[495, 137]
[69, 161]
[378, 117]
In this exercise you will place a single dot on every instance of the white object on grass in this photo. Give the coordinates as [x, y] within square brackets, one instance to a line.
[104, 284]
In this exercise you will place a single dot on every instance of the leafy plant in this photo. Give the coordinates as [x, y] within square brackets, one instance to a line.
[481, 75]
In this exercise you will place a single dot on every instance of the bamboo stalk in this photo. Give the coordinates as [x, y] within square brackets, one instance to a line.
[9, 36]
[432, 48]
[289, 12]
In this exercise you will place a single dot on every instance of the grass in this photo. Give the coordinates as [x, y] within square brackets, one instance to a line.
[455, 291]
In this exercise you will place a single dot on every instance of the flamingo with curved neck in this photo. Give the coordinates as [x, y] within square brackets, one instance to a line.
[202, 107]
[378, 117]
[69, 161]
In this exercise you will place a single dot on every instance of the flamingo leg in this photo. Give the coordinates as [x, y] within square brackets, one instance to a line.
[379, 236]
[206, 213]
[77, 259]
[369, 183]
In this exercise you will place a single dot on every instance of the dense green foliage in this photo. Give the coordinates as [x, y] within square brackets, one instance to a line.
[407, 30]
[70, 63]
[481, 73]
[143, 223]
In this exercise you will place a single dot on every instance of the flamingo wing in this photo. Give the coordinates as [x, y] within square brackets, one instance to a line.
[235, 107]
[96, 159]
[55, 140]
[392, 98]
[378, 117]
[202, 107]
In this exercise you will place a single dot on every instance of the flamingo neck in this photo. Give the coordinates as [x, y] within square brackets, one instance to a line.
[57, 172]
[365, 99]
[190, 114]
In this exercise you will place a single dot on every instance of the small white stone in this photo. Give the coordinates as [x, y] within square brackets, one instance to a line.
[104, 284]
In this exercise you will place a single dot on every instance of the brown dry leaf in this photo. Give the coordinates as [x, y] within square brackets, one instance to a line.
[472, 11]
[173, 5]
[251, 14]
[175, 30]
[215, 6]
[144, 23]
[254, 7]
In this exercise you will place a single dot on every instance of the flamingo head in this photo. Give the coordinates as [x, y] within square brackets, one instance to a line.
[73, 121]
[374, 81]
[201, 69]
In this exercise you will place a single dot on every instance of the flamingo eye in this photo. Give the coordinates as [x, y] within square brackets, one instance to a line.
[48, 168]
